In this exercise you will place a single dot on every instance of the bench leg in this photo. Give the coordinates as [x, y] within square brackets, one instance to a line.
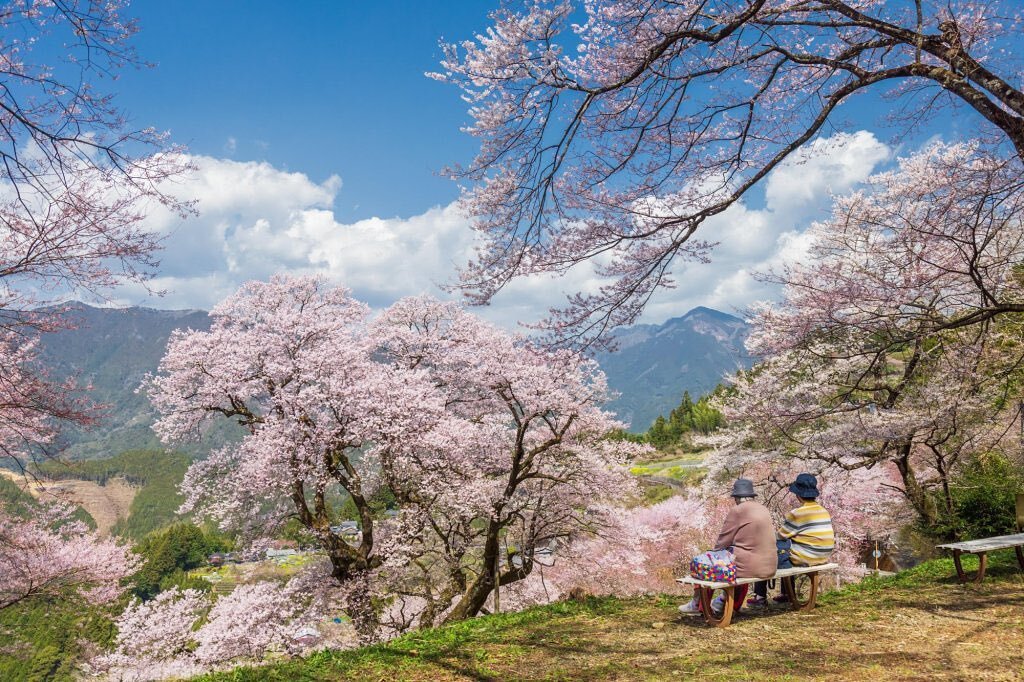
[706, 595]
[1020, 556]
[982, 563]
[798, 601]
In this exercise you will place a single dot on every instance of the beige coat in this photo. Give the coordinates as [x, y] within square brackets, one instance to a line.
[749, 530]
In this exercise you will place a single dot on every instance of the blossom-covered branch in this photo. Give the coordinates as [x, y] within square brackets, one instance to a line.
[611, 132]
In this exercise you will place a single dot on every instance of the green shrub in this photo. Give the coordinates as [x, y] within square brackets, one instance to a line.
[983, 495]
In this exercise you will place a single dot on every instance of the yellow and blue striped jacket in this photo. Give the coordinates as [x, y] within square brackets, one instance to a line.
[809, 526]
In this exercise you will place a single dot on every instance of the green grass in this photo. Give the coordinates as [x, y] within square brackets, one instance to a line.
[470, 640]
[918, 625]
[684, 468]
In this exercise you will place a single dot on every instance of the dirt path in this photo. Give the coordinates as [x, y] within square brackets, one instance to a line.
[107, 504]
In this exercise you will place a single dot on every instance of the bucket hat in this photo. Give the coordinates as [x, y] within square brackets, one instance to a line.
[805, 485]
[743, 487]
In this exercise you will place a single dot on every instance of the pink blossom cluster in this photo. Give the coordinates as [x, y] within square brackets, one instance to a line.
[182, 633]
[50, 554]
[641, 551]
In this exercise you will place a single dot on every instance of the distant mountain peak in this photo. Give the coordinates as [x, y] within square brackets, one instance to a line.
[654, 364]
[711, 312]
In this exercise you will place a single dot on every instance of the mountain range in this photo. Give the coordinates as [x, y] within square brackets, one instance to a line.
[113, 349]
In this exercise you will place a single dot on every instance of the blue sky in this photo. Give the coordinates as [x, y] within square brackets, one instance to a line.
[319, 140]
[318, 87]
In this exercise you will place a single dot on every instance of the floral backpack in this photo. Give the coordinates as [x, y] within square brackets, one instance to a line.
[717, 566]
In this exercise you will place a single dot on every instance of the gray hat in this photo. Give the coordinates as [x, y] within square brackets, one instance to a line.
[743, 487]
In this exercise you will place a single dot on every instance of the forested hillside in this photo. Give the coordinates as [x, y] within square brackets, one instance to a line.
[655, 364]
[111, 350]
[157, 474]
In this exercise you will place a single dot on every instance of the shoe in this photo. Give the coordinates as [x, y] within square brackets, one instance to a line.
[718, 605]
[691, 608]
[782, 599]
[757, 601]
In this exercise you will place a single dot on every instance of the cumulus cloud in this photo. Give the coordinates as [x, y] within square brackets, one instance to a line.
[256, 220]
[752, 240]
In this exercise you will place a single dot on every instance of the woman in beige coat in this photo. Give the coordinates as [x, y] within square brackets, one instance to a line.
[749, 532]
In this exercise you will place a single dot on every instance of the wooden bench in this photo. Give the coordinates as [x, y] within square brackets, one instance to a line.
[982, 547]
[799, 583]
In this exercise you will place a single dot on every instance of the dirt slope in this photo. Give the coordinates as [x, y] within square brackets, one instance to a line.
[106, 504]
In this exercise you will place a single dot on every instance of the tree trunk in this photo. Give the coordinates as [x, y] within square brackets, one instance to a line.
[475, 596]
[912, 489]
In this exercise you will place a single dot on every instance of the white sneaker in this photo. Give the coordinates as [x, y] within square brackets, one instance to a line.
[692, 608]
[718, 605]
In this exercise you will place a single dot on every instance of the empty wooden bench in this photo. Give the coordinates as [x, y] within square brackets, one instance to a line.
[799, 583]
[982, 547]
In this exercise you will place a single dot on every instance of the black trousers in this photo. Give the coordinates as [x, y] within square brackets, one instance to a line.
[761, 588]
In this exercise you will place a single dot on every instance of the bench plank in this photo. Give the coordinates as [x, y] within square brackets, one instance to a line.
[781, 573]
[987, 544]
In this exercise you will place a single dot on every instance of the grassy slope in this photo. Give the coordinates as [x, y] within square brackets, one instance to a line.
[920, 625]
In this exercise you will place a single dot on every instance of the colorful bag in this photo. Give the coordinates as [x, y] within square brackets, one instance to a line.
[717, 566]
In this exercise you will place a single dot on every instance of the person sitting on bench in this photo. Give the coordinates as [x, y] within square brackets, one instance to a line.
[808, 527]
[748, 530]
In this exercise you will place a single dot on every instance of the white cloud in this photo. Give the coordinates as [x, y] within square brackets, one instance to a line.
[256, 220]
[757, 240]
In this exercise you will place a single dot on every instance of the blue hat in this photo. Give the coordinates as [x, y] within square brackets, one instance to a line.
[805, 485]
[743, 487]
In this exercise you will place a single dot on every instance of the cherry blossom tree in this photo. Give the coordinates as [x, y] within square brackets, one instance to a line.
[493, 447]
[291, 361]
[76, 180]
[49, 554]
[610, 132]
[897, 340]
[519, 463]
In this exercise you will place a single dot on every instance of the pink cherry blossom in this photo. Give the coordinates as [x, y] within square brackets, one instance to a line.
[49, 553]
[896, 343]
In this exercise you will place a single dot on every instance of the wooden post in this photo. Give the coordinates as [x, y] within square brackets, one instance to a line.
[707, 596]
[962, 575]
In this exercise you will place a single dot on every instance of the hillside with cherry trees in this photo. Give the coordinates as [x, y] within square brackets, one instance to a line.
[344, 470]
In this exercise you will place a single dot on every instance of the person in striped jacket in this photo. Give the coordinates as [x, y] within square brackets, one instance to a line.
[808, 527]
